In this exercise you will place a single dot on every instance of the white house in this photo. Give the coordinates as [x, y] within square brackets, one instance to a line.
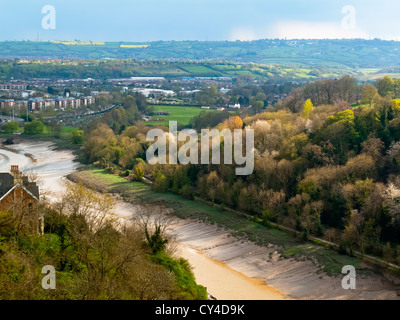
[236, 105]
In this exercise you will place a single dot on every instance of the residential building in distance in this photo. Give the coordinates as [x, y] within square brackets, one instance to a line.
[85, 101]
[13, 87]
[137, 80]
[50, 103]
[7, 103]
[234, 106]
[37, 104]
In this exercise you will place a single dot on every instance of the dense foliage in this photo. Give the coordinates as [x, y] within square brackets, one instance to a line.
[326, 163]
[11, 126]
[94, 256]
[34, 127]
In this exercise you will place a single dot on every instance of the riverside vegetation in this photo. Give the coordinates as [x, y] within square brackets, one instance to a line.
[326, 164]
[96, 257]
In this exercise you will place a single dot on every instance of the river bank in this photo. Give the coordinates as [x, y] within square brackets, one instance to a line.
[298, 269]
[223, 259]
[52, 166]
[225, 283]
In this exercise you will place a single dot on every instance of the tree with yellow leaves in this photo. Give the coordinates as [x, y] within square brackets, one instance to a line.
[396, 104]
[308, 108]
[234, 122]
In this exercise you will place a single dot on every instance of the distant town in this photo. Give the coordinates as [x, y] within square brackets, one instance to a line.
[66, 101]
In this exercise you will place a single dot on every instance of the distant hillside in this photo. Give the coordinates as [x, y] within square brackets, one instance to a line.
[353, 54]
[117, 68]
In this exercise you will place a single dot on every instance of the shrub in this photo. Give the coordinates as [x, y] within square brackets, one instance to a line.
[138, 172]
[160, 183]
[77, 137]
[187, 192]
[185, 279]
[34, 127]
[11, 126]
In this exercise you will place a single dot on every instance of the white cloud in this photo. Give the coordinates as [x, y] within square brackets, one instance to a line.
[315, 30]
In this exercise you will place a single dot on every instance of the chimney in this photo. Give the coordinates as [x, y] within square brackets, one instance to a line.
[16, 174]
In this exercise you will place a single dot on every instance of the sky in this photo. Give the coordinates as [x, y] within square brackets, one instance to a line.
[153, 20]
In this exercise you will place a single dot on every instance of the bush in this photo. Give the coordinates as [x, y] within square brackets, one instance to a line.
[11, 126]
[187, 192]
[138, 172]
[109, 169]
[305, 234]
[185, 279]
[34, 127]
[97, 164]
[160, 183]
[77, 137]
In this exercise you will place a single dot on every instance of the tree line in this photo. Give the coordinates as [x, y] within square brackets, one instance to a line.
[326, 165]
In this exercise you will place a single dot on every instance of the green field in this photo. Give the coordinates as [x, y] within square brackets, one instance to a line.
[200, 70]
[65, 131]
[176, 113]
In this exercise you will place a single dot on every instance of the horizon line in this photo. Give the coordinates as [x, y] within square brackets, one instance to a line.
[172, 40]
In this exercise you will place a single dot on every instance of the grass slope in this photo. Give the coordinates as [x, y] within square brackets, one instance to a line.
[180, 114]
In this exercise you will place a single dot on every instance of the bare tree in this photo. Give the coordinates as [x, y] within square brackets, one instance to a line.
[156, 223]
[96, 208]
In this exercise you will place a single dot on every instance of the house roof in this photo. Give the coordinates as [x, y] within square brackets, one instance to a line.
[22, 187]
[7, 183]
